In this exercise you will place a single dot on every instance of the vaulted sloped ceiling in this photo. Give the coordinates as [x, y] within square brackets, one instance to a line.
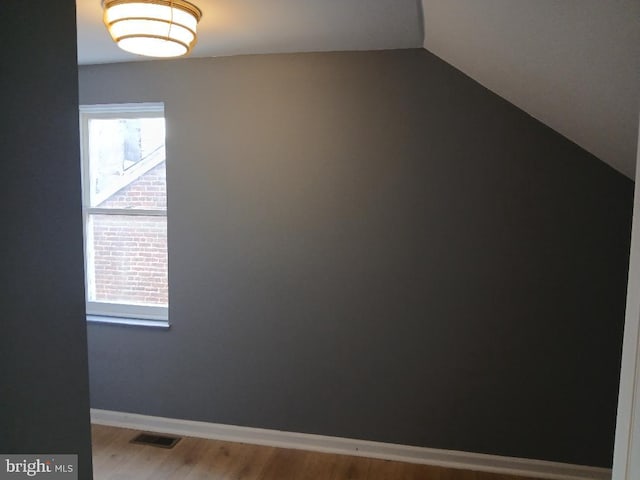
[572, 64]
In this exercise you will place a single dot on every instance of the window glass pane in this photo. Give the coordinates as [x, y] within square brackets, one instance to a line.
[127, 163]
[127, 259]
[147, 191]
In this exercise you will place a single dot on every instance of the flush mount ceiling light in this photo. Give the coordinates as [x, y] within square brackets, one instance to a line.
[154, 28]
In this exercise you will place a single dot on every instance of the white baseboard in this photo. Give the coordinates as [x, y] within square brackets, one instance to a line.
[347, 446]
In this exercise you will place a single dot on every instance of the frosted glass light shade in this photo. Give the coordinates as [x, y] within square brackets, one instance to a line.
[154, 28]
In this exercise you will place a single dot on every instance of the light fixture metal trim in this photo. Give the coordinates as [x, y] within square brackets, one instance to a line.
[149, 28]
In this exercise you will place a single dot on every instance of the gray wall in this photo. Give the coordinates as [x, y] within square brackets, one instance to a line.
[44, 382]
[372, 245]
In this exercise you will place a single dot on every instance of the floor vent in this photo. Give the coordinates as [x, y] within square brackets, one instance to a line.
[155, 440]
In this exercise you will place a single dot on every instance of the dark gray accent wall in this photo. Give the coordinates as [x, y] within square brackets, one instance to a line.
[372, 245]
[44, 382]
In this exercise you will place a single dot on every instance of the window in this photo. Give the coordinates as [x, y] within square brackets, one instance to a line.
[125, 212]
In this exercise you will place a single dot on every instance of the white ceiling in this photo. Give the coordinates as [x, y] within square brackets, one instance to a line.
[232, 27]
[572, 64]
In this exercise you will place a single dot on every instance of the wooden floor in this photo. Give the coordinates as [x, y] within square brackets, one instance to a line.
[114, 458]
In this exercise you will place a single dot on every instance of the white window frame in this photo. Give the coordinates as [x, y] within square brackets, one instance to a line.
[102, 311]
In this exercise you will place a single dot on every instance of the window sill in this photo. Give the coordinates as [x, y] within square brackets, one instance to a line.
[133, 322]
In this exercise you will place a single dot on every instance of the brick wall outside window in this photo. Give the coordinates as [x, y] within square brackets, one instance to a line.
[130, 252]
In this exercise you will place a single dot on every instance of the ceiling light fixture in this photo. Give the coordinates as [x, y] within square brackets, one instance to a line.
[154, 28]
